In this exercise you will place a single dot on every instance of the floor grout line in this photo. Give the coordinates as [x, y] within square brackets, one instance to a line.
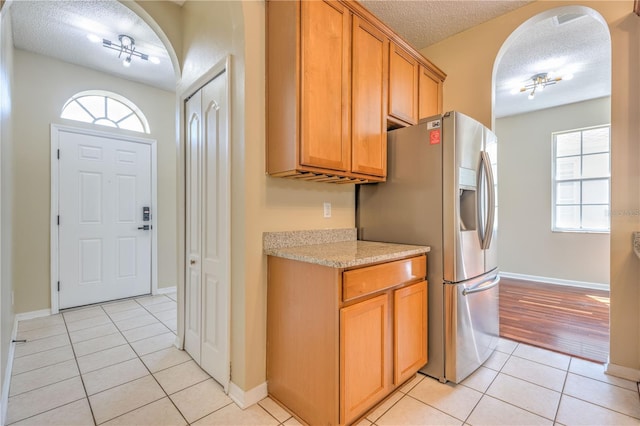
[84, 387]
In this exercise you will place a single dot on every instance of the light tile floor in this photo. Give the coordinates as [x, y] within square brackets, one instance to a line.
[116, 364]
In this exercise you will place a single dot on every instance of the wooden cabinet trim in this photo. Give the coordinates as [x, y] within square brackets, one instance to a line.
[362, 281]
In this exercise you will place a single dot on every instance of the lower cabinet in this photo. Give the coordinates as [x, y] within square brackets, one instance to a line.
[409, 330]
[339, 341]
[364, 355]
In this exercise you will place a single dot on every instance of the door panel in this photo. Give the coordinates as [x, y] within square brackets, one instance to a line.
[472, 326]
[365, 362]
[410, 330]
[216, 227]
[369, 99]
[193, 193]
[462, 143]
[208, 230]
[403, 85]
[102, 253]
[430, 94]
[325, 85]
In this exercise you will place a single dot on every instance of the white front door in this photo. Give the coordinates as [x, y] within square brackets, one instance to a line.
[207, 292]
[103, 185]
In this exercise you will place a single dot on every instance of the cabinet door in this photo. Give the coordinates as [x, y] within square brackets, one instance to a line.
[430, 93]
[364, 359]
[403, 85]
[325, 85]
[409, 330]
[369, 99]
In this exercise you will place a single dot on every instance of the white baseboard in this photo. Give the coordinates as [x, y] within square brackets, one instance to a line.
[166, 290]
[622, 372]
[12, 348]
[8, 369]
[248, 398]
[558, 281]
[33, 314]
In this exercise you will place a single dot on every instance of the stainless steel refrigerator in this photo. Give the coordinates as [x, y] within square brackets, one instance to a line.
[441, 192]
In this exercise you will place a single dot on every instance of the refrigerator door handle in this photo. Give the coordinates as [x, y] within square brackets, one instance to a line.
[483, 286]
[491, 208]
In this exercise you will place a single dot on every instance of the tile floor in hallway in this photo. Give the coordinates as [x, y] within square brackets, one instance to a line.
[115, 364]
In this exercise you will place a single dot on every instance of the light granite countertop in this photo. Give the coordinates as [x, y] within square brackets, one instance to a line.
[346, 252]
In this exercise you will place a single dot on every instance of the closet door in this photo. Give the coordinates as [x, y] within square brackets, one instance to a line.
[193, 309]
[207, 290]
[216, 229]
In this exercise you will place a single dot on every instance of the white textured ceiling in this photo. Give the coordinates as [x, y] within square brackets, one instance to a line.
[59, 29]
[425, 22]
[581, 46]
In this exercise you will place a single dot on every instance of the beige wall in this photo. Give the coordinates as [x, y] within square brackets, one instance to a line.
[6, 193]
[526, 243]
[468, 59]
[36, 106]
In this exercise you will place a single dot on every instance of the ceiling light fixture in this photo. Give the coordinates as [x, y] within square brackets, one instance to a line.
[127, 49]
[539, 82]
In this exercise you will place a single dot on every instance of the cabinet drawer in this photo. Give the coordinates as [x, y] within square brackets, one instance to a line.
[359, 282]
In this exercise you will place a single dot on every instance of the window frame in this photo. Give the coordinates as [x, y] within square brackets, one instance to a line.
[135, 111]
[581, 180]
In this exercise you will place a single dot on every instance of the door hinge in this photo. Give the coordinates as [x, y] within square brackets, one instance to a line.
[58, 220]
[58, 285]
[58, 154]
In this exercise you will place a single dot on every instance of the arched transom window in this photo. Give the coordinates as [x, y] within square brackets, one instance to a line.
[105, 109]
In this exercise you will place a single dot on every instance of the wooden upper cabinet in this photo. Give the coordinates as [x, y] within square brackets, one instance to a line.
[403, 85]
[370, 49]
[337, 77]
[325, 85]
[430, 97]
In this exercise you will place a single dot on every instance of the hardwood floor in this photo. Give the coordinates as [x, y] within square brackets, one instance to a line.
[571, 320]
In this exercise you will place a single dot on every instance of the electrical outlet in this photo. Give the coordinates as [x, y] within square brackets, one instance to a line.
[327, 210]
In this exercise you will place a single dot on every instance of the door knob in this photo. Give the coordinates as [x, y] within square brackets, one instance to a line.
[192, 262]
[144, 227]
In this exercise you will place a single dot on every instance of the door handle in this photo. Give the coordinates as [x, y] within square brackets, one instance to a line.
[144, 227]
[192, 262]
[481, 287]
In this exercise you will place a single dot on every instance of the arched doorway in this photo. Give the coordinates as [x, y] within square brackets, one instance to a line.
[552, 83]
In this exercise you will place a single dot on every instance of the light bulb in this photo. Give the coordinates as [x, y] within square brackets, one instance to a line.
[126, 62]
[515, 91]
[125, 40]
[531, 95]
[154, 60]
[567, 76]
[94, 38]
